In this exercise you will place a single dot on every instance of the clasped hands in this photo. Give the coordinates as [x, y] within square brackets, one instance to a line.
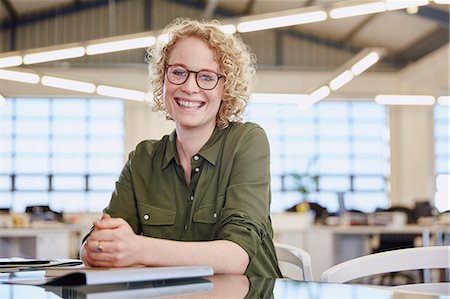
[112, 243]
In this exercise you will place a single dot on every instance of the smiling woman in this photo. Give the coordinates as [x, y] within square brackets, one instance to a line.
[201, 195]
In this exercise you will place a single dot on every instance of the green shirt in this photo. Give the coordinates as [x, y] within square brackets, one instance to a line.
[228, 197]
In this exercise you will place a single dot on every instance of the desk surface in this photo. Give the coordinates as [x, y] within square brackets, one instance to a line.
[218, 286]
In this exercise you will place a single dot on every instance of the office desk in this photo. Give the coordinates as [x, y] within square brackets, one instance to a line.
[330, 245]
[218, 286]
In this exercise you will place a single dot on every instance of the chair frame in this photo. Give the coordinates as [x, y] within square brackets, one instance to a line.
[433, 257]
[296, 256]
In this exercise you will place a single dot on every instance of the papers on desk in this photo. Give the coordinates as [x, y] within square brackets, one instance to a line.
[98, 276]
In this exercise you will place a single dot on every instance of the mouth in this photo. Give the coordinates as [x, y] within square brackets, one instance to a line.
[189, 103]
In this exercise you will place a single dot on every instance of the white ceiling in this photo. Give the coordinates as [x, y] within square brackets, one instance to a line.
[404, 35]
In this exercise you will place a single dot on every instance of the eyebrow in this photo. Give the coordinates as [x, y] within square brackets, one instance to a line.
[186, 67]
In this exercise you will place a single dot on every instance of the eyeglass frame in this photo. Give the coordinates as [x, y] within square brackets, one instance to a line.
[196, 74]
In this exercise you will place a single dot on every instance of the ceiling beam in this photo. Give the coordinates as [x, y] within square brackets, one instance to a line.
[73, 7]
[437, 15]
[210, 8]
[248, 7]
[429, 43]
[12, 12]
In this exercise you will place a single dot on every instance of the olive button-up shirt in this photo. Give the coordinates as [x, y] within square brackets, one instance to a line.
[228, 197]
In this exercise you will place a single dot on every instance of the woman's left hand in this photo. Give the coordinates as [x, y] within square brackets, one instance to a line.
[112, 243]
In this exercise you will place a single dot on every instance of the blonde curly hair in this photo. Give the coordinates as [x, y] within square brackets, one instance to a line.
[236, 61]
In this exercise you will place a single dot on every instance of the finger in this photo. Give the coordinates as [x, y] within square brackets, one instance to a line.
[104, 235]
[106, 216]
[109, 223]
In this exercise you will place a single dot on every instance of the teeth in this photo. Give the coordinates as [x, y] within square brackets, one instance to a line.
[189, 104]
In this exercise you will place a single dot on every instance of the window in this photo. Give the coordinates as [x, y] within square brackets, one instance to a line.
[343, 146]
[442, 159]
[65, 153]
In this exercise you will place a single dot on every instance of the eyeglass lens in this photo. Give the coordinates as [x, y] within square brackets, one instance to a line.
[205, 79]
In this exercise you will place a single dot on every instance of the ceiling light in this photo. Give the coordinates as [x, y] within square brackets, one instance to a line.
[320, 94]
[357, 10]
[283, 21]
[68, 84]
[228, 29]
[53, 55]
[19, 76]
[121, 93]
[341, 80]
[402, 4]
[444, 100]
[10, 61]
[404, 100]
[442, 2]
[121, 45]
[278, 98]
[366, 62]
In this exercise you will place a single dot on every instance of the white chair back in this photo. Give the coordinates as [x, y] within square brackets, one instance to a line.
[294, 262]
[433, 257]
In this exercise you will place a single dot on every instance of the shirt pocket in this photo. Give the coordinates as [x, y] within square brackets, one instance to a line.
[156, 222]
[205, 220]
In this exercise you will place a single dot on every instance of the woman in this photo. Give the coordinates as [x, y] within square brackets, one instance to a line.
[201, 195]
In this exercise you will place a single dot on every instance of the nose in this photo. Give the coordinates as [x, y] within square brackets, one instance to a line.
[190, 85]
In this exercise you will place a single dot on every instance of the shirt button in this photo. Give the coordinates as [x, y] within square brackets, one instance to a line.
[215, 215]
[185, 227]
[197, 169]
[196, 158]
[192, 198]
[146, 216]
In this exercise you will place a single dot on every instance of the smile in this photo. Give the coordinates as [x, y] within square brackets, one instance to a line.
[189, 104]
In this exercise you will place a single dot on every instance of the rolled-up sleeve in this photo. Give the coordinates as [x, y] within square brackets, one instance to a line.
[244, 218]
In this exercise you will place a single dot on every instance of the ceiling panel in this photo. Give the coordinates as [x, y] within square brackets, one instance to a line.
[394, 30]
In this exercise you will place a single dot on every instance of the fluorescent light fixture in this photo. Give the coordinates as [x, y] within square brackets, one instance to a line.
[228, 29]
[365, 63]
[402, 4]
[442, 2]
[164, 38]
[278, 98]
[357, 10]
[68, 84]
[404, 100]
[19, 76]
[53, 55]
[121, 93]
[444, 100]
[121, 45]
[2, 99]
[320, 94]
[283, 21]
[10, 61]
[341, 80]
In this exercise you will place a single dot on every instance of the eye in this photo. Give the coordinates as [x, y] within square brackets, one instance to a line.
[179, 72]
[208, 77]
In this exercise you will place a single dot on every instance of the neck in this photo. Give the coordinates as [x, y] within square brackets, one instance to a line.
[191, 141]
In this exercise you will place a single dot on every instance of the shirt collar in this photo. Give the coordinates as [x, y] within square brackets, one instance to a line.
[209, 151]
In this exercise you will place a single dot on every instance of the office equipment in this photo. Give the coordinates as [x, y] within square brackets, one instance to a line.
[93, 276]
[11, 265]
[433, 257]
[294, 261]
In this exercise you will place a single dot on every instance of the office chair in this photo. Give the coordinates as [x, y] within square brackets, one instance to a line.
[294, 263]
[433, 257]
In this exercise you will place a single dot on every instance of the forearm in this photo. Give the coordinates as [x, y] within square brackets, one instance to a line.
[225, 257]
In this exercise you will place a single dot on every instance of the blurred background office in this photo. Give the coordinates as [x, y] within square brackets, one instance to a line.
[354, 96]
